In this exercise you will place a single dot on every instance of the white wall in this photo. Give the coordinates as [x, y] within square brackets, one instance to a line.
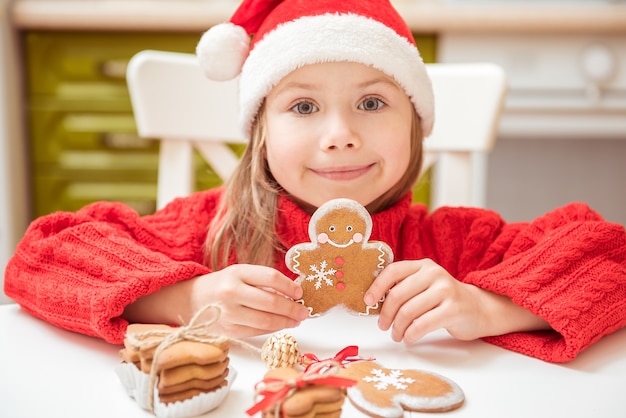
[13, 184]
[562, 137]
[528, 177]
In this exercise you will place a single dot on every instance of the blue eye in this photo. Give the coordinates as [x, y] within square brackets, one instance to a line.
[371, 104]
[305, 108]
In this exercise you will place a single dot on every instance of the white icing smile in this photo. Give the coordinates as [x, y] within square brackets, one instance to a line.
[334, 244]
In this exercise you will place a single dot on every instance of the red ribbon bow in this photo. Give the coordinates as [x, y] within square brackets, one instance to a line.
[275, 390]
[347, 355]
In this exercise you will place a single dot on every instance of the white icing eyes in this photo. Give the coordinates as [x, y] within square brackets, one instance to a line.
[333, 228]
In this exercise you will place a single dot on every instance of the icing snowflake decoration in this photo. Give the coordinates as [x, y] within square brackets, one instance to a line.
[383, 381]
[321, 275]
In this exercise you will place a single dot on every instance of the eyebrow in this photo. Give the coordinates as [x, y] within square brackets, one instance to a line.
[379, 80]
[308, 86]
[296, 85]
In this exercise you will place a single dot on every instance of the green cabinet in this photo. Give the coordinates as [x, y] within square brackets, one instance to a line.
[82, 137]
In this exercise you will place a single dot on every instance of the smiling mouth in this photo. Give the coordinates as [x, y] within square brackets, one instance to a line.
[344, 173]
[334, 244]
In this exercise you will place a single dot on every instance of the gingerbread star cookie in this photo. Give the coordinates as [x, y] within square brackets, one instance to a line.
[387, 393]
[340, 263]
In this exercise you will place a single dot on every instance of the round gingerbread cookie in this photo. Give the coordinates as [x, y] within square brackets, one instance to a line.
[340, 263]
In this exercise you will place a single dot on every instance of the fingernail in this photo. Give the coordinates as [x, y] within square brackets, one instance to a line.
[298, 293]
[382, 325]
[304, 313]
[369, 300]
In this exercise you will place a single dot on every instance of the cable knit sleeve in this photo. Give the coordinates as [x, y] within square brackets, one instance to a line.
[80, 270]
[568, 267]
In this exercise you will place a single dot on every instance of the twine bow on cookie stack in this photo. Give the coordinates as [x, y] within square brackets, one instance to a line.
[275, 391]
[195, 331]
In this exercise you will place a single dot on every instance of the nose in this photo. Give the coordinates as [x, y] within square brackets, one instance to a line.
[340, 133]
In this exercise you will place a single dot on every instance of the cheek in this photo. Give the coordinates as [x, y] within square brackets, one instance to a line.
[275, 154]
[398, 157]
[402, 159]
[284, 157]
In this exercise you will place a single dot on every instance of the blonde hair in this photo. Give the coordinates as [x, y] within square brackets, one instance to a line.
[243, 229]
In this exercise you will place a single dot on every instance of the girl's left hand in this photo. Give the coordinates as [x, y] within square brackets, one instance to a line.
[421, 296]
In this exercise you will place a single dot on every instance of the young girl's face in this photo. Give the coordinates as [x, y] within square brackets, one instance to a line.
[337, 130]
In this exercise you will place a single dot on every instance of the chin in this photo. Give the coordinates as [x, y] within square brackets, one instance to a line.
[310, 204]
[352, 196]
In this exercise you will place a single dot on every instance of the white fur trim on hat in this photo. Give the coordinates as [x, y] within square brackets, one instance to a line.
[222, 51]
[333, 38]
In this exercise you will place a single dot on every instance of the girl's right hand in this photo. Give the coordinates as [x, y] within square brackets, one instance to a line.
[254, 300]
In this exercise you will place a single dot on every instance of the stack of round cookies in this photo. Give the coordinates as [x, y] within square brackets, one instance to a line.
[184, 370]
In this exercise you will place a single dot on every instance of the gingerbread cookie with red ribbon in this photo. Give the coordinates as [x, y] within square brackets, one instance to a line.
[289, 393]
[387, 393]
[340, 263]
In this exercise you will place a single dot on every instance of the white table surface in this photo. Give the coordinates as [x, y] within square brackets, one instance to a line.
[49, 372]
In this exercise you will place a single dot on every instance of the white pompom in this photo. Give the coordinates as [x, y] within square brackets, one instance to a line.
[222, 51]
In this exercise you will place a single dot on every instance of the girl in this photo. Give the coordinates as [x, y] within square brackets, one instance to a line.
[335, 101]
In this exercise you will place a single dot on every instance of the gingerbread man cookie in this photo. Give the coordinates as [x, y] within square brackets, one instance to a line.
[339, 264]
[387, 393]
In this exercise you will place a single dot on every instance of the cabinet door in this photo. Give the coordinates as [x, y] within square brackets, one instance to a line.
[83, 141]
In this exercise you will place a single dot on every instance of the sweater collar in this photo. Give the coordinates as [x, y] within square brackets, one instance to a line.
[292, 225]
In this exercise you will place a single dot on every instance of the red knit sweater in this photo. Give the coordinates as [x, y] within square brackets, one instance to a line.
[79, 270]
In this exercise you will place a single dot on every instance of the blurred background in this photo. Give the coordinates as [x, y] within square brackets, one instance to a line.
[67, 133]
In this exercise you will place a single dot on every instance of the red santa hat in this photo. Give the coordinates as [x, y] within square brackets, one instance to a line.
[267, 39]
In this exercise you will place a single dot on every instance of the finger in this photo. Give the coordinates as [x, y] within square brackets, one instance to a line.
[269, 278]
[400, 294]
[389, 277]
[411, 311]
[261, 300]
[243, 320]
[425, 324]
[243, 331]
[263, 289]
[282, 306]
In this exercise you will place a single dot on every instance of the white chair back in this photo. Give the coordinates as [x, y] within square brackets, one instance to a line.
[469, 99]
